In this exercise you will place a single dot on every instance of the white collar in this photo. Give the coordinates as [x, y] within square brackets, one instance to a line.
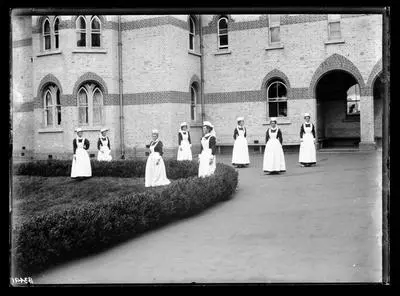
[240, 127]
[154, 142]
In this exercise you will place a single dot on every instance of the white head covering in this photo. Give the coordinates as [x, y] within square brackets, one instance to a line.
[207, 123]
[183, 124]
[155, 131]
[273, 119]
[104, 130]
[78, 130]
[306, 114]
[240, 119]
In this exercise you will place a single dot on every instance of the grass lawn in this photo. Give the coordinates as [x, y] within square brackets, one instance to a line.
[34, 195]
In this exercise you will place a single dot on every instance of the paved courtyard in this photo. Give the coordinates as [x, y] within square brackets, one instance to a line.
[307, 225]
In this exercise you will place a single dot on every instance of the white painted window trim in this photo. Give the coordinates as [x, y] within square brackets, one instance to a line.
[336, 19]
[56, 33]
[192, 35]
[276, 44]
[97, 32]
[219, 34]
[43, 49]
[89, 89]
[52, 90]
[194, 106]
[277, 99]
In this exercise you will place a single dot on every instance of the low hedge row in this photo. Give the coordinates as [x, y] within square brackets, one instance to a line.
[116, 168]
[48, 239]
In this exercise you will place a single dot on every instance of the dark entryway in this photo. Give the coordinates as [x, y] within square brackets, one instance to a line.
[338, 110]
[378, 108]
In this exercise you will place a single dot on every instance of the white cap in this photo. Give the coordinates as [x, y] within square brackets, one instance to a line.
[273, 119]
[78, 130]
[207, 123]
[240, 119]
[104, 130]
[155, 131]
[183, 124]
[307, 114]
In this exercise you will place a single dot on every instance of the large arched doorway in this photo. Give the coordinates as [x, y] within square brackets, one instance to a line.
[378, 109]
[338, 110]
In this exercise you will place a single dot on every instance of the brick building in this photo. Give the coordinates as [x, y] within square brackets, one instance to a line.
[139, 72]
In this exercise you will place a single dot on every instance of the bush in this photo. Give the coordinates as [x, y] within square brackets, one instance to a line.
[116, 168]
[48, 239]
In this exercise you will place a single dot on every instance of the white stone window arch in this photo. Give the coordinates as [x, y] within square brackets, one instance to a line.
[95, 32]
[90, 104]
[51, 106]
[192, 33]
[46, 33]
[81, 31]
[223, 32]
[56, 28]
[277, 98]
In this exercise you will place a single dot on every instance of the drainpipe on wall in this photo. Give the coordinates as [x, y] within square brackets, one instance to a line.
[201, 71]
[120, 84]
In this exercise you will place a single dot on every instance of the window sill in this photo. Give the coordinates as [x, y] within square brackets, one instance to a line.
[222, 52]
[50, 130]
[194, 53]
[280, 122]
[274, 46]
[91, 128]
[47, 53]
[89, 50]
[337, 41]
[196, 124]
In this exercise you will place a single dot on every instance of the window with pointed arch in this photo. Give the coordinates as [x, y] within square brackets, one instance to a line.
[192, 33]
[46, 33]
[277, 98]
[81, 31]
[51, 106]
[194, 102]
[90, 104]
[95, 27]
[223, 32]
[56, 28]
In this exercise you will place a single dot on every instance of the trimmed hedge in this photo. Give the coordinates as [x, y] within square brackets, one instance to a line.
[116, 168]
[49, 239]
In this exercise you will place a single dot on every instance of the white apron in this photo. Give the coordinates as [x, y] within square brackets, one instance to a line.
[274, 159]
[240, 154]
[104, 152]
[155, 174]
[186, 152]
[307, 153]
[81, 163]
[205, 169]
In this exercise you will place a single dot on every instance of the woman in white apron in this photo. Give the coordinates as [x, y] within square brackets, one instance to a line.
[207, 159]
[155, 168]
[307, 155]
[185, 143]
[81, 162]
[274, 159]
[240, 153]
[103, 145]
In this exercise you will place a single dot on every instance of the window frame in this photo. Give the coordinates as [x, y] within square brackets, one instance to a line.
[90, 88]
[56, 34]
[193, 102]
[277, 100]
[358, 102]
[46, 35]
[273, 25]
[192, 35]
[224, 34]
[53, 90]
[96, 31]
[335, 18]
[80, 31]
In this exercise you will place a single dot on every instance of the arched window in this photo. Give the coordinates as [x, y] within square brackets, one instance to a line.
[90, 104]
[46, 35]
[223, 32]
[51, 106]
[81, 32]
[56, 32]
[95, 31]
[193, 102]
[192, 33]
[277, 99]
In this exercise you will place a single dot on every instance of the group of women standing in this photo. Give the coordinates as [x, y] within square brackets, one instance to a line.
[155, 175]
